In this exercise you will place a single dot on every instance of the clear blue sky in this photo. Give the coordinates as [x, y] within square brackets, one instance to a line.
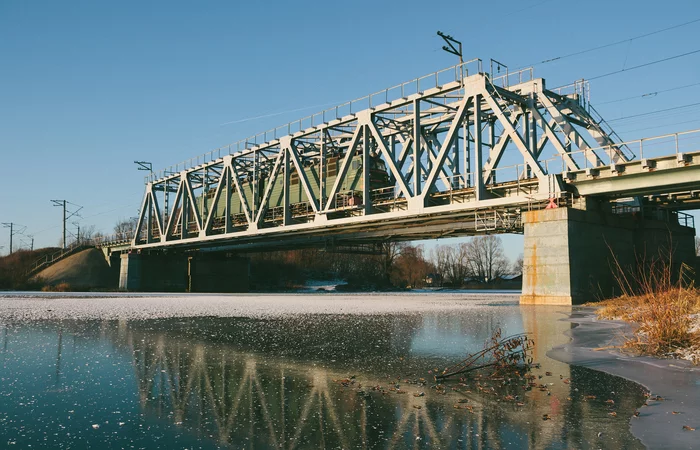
[88, 87]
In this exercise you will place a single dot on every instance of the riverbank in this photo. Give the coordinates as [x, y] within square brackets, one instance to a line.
[666, 321]
[661, 421]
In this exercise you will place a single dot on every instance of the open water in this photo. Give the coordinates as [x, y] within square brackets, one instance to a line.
[329, 375]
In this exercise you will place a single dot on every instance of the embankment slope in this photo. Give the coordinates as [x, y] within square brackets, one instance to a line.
[83, 271]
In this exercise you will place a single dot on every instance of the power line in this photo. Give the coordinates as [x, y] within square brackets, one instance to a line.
[644, 65]
[661, 116]
[648, 94]
[600, 47]
[657, 126]
[526, 8]
[653, 112]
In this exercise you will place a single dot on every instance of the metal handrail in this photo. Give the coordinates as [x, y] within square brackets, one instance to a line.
[102, 241]
[639, 143]
[48, 259]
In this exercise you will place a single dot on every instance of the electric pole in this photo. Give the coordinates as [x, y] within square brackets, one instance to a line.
[77, 224]
[65, 218]
[144, 165]
[450, 47]
[13, 230]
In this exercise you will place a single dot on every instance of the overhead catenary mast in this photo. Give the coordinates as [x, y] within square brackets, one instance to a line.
[64, 204]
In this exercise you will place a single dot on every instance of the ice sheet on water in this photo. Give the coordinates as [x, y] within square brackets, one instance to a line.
[41, 306]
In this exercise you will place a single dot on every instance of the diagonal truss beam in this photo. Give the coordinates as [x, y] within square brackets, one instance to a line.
[344, 167]
[291, 148]
[176, 215]
[569, 130]
[496, 152]
[447, 144]
[224, 185]
[192, 204]
[554, 139]
[515, 136]
[239, 189]
[271, 181]
[384, 149]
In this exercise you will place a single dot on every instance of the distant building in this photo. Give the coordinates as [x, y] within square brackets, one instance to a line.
[433, 279]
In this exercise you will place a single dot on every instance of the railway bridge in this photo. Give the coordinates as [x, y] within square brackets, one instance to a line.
[457, 152]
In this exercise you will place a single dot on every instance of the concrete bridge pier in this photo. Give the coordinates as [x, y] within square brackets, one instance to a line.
[183, 272]
[572, 255]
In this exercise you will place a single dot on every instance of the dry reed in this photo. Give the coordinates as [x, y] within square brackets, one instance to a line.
[662, 304]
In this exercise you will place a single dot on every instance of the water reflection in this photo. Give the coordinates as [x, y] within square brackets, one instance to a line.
[330, 381]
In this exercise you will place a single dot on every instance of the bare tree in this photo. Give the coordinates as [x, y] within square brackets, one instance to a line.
[125, 228]
[88, 232]
[451, 262]
[411, 268]
[486, 259]
[440, 256]
[392, 250]
[518, 265]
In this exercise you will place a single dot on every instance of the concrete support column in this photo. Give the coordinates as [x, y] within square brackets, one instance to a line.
[130, 272]
[573, 256]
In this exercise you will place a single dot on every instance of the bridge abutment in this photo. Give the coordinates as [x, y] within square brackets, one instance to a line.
[573, 256]
[183, 272]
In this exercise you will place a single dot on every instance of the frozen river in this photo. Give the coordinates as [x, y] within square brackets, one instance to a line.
[291, 371]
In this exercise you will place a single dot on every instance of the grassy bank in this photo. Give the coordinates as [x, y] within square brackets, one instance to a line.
[666, 310]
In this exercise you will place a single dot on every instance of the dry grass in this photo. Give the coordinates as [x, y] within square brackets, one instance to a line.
[60, 287]
[664, 319]
[665, 307]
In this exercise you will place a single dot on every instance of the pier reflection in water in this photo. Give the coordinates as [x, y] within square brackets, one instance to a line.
[299, 382]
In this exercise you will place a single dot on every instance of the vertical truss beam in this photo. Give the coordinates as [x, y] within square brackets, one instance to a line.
[515, 137]
[446, 145]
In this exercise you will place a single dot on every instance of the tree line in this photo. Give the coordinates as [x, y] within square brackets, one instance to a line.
[397, 265]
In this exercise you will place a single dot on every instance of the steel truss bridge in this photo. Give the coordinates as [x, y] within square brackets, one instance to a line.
[465, 153]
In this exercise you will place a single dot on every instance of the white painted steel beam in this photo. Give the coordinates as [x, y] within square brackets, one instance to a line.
[416, 136]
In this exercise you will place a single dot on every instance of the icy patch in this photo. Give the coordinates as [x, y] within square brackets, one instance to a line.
[593, 345]
[40, 306]
[322, 285]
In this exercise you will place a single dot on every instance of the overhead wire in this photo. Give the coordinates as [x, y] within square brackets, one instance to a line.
[648, 94]
[612, 44]
[658, 126]
[643, 65]
[653, 112]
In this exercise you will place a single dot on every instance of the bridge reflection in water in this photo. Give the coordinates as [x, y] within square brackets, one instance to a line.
[206, 377]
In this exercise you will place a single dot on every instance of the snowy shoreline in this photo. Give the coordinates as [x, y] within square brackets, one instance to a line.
[660, 423]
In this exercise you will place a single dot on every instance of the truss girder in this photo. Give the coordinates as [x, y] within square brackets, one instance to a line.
[332, 173]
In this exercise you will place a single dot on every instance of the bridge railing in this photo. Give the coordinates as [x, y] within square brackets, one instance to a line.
[97, 241]
[400, 91]
[650, 147]
[686, 219]
[115, 239]
[580, 88]
[510, 78]
[60, 254]
[656, 213]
